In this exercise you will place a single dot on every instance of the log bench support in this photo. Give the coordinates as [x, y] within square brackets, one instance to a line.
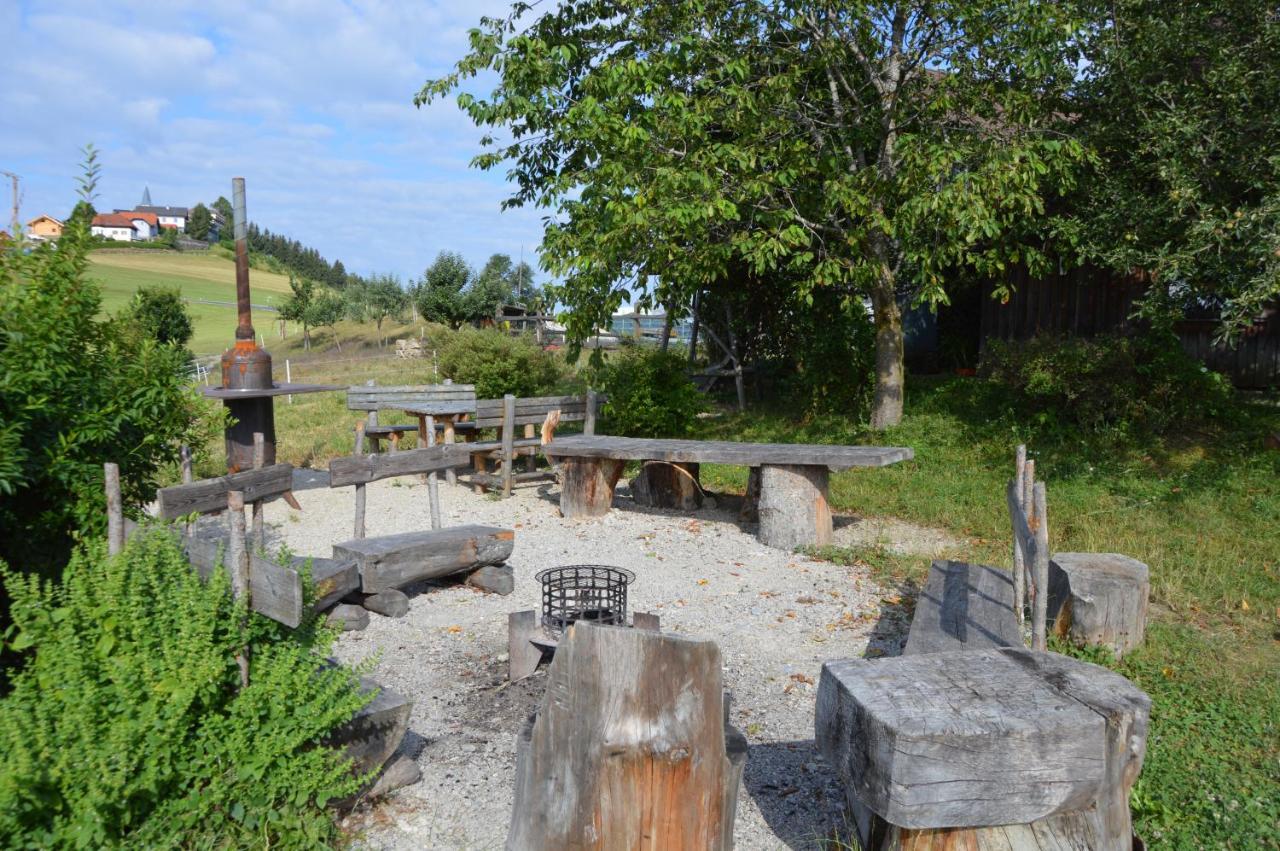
[587, 489]
[793, 506]
[667, 484]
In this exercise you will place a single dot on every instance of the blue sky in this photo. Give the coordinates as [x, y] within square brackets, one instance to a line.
[310, 102]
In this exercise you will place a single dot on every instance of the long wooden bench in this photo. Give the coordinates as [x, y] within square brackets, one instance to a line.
[443, 408]
[511, 413]
[793, 478]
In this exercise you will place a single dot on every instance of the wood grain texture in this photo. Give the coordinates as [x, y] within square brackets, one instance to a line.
[274, 590]
[963, 607]
[727, 452]
[523, 656]
[355, 470]
[419, 398]
[629, 748]
[586, 489]
[792, 508]
[661, 484]
[372, 736]
[331, 579]
[981, 738]
[1099, 599]
[392, 561]
[209, 495]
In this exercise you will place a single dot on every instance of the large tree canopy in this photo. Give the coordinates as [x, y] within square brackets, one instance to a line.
[869, 147]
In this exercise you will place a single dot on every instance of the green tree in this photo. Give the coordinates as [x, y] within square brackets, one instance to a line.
[439, 294]
[325, 310]
[1180, 100]
[297, 307]
[873, 146]
[162, 314]
[199, 221]
[491, 288]
[81, 215]
[223, 206]
[384, 299]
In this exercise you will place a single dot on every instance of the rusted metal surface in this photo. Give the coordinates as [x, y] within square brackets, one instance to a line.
[244, 326]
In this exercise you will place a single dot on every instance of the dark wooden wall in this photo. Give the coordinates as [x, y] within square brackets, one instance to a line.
[1084, 301]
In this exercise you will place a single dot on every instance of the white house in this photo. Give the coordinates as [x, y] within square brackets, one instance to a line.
[117, 226]
[170, 217]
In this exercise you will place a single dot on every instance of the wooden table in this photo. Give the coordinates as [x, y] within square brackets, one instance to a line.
[791, 478]
[448, 412]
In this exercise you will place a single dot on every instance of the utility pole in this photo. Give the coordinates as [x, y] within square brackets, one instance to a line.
[13, 178]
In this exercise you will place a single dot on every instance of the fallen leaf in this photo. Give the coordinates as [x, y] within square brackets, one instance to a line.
[702, 581]
[802, 678]
[807, 600]
[455, 629]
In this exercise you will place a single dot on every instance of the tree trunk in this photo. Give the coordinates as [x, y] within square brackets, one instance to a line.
[886, 409]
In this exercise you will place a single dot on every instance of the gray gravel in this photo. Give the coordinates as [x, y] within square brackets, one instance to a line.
[776, 617]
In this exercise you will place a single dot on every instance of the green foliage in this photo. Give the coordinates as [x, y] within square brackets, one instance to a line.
[127, 727]
[199, 222]
[498, 364]
[828, 366]
[439, 295]
[493, 286]
[649, 394]
[382, 297]
[162, 314]
[76, 391]
[1144, 382]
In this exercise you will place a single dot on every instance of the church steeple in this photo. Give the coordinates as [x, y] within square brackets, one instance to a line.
[146, 197]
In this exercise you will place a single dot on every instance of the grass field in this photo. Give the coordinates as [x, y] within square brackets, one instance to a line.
[204, 277]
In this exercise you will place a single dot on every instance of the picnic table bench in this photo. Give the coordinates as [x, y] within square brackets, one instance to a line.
[792, 478]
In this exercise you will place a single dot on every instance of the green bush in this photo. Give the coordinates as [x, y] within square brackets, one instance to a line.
[77, 390]
[497, 363]
[127, 727]
[650, 394]
[162, 314]
[832, 368]
[1145, 383]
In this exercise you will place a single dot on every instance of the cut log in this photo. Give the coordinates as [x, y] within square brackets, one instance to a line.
[348, 617]
[793, 506]
[392, 561]
[332, 579]
[964, 607]
[372, 736]
[211, 494]
[494, 578]
[1099, 599]
[629, 748]
[389, 603]
[587, 486]
[984, 738]
[667, 485]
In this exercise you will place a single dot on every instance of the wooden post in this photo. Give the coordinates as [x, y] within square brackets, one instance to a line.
[629, 748]
[1019, 565]
[188, 476]
[530, 460]
[478, 466]
[259, 461]
[115, 509]
[238, 565]
[1028, 509]
[1039, 614]
[508, 441]
[693, 335]
[433, 485]
[358, 450]
[793, 506]
[587, 486]
[589, 423]
[523, 655]
[288, 376]
[450, 475]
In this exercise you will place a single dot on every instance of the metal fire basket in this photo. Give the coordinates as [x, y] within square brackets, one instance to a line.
[583, 592]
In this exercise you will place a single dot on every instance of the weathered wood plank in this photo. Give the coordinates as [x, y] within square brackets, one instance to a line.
[331, 578]
[392, 561]
[982, 738]
[629, 748]
[209, 495]
[727, 452]
[274, 590]
[372, 736]
[354, 470]
[1099, 599]
[440, 398]
[792, 508]
[963, 607]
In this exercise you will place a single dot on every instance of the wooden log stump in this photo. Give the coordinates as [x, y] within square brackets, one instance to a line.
[587, 486]
[984, 739]
[494, 578]
[348, 617]
[629, 748]
[1099, 599]
[392, 561]
[372, 736]
[662, 484]
[793, 506]
[389, 603]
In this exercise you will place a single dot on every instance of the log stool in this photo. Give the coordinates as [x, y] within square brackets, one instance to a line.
[1099, 599]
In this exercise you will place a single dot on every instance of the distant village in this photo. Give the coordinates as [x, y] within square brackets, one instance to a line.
[142, 223]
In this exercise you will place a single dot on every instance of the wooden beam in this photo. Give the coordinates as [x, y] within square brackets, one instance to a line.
[392, 561]
[371, 468]
[727, 452]
[209, 495]
[963, 607]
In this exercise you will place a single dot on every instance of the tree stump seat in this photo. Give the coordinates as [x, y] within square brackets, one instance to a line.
[1099, 599]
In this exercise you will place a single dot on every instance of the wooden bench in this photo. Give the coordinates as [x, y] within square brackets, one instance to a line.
[438, 407]
[793, 478]
[964, 607]
[510, 413]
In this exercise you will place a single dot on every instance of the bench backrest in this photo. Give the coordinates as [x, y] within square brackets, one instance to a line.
[434, 399]
[210, 495]
[533, 410]
[362, 469]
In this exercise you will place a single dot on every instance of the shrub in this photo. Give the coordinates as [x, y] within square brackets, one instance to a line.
[162, 314]
[77, 390]
[833, 359]
[498, 364]
[650, 395]
[1144, 382]
[126, 727]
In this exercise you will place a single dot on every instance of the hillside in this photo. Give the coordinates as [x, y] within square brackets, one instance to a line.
[204, 277]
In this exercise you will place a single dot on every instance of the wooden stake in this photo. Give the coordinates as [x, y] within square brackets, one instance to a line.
[115, 509]
[1041, 567]
[238, 565]
[188, 476]
[259, 461]
[360, 493]
[450, 475]
[508, 442]
[433, 485]
[1027, 503]
[589, 424]
[1019, 565]
[530, 460]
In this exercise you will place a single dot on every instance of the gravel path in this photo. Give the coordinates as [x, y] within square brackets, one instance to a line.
[776, 617]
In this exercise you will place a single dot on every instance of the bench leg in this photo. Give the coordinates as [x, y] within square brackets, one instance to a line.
[663, 484]
[530, 460]
[587, 490]
[450, 475]
[793, 506]
[477, 464]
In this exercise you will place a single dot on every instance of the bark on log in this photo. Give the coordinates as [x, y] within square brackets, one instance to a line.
[1099, 599]
[984, 739]
[793, 506]
[391, 561]
[587, 487]
[664, 485]
[629, 748]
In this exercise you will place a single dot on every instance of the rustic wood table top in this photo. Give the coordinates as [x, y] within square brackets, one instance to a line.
[726, 452]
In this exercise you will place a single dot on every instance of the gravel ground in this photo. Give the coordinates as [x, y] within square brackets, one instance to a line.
[776, 617]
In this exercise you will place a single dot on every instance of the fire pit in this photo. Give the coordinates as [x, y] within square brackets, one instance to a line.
[596, 593]
[583, 592]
